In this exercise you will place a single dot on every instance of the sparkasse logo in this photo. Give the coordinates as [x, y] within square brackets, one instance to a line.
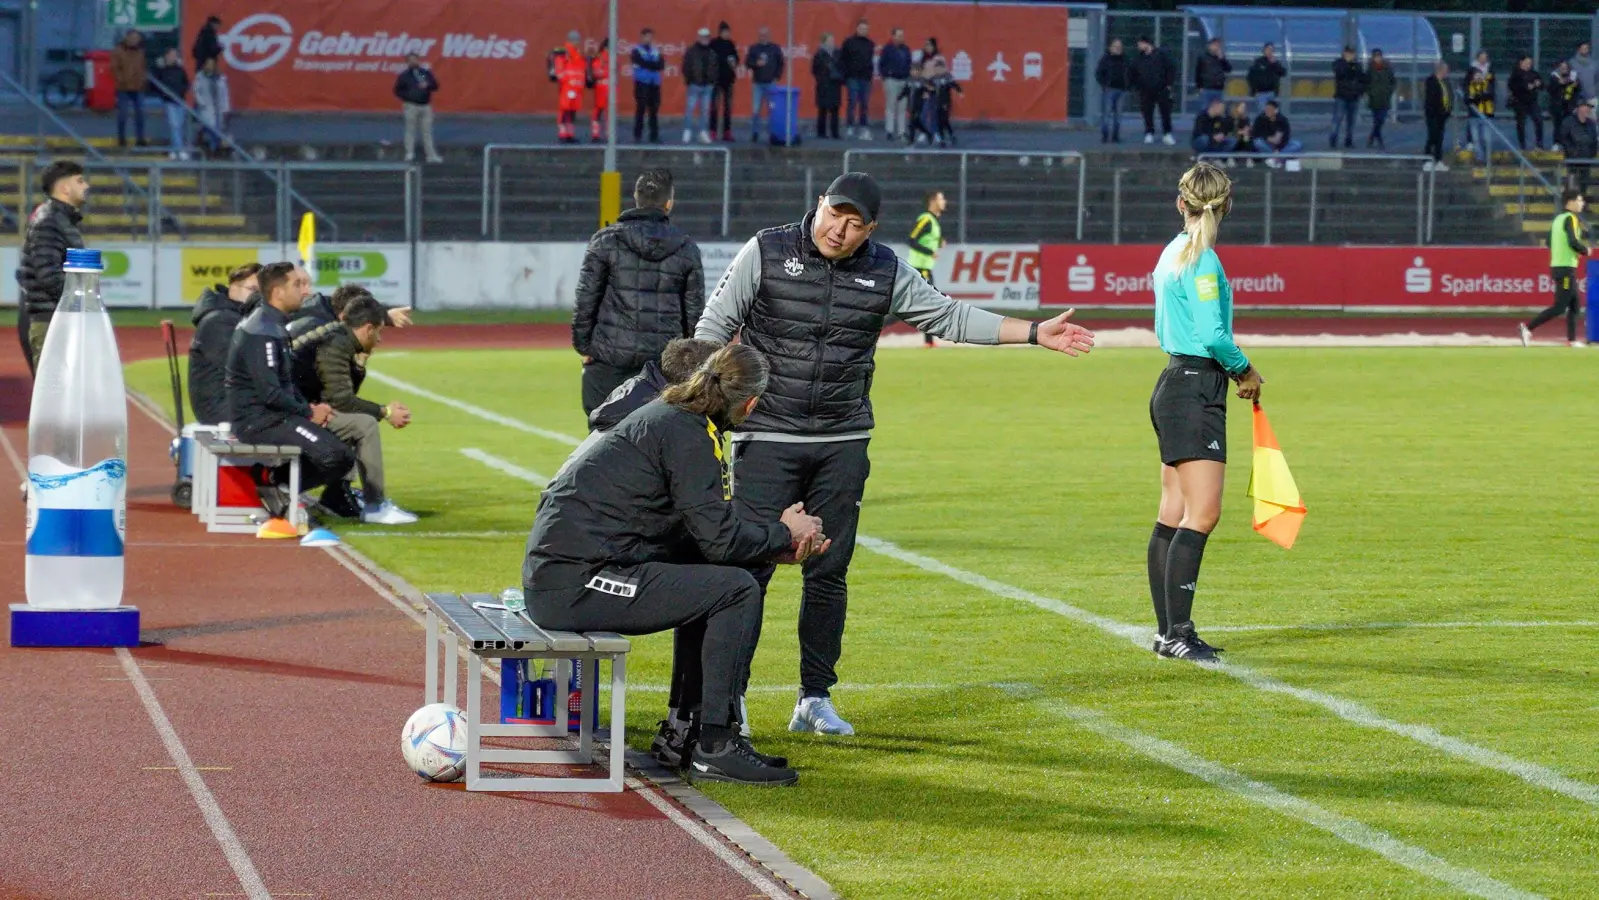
[257, 42]
[1080, 277]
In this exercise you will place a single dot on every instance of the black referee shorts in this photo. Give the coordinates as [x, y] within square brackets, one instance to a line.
[1189, 410]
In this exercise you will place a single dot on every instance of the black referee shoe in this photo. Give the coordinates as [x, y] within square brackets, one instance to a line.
[1182, 642]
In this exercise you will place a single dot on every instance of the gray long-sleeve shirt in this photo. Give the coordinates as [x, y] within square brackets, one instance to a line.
[914, 300]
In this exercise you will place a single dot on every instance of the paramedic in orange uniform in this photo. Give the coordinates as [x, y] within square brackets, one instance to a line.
[600, 78]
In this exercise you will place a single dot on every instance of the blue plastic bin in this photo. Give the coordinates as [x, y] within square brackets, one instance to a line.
[785, 114]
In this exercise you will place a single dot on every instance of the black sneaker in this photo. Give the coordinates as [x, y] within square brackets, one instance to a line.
[273, 497]
[1182, 642]
[670, 744]
[1162, 648]
[341, 500]
[736, 762]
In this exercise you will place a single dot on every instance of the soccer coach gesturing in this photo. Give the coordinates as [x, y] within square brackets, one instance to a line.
[813, 297]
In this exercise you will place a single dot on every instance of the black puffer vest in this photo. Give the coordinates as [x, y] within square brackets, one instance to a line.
[818, 322]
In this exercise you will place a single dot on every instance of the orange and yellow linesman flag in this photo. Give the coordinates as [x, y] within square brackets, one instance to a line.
[308, 244]
[1278, 509]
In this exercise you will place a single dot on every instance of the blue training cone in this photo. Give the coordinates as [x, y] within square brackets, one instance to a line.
[320, 537]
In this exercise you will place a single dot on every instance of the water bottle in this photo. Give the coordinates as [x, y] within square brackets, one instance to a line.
[77, 453]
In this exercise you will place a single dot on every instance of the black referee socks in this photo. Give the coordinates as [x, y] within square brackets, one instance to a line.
[1182, 574]
[1159, 546]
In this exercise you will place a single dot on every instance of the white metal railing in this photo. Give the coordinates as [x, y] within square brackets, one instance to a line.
[964, 156]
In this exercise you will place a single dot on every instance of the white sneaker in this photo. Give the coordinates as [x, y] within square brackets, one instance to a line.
[818, 715]
[1440, 167]
[1149, 138]
[435, 158]
[387, 514]
[688, 136]
[744, 718]
[1526, 334]
[705, 137]
[1168, 140]
[866, 134]
[1428, 166]
[1579, 343]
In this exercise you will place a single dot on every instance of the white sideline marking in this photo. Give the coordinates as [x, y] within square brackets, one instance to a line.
[900, 686]
[509, 468]
[238, 858]
[1350, 831]
[1395, 626]
[435, 534]
[11, 454]
[723, 852]
[478, 411]
[1348, 710]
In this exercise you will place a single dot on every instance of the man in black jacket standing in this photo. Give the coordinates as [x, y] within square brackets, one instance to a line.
[1266, 76]
[1153, 75]
[857, 57]
[765, 62]
[1210, 74]
[52, 231]
[264, 405]
[1114, 77]
[218, 311]
[814, 296]
[642, 285]
[1349, 85]
[207, 44]
[1579, 135]
[726, 76]
[699, 76]
[1437, 105]
[415, 88]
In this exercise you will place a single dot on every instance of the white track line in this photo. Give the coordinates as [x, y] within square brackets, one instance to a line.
[237, 856]
[1350, 831]
[1348, 710]
[11, 454]
[470, 409]
[1395, 626]
[726, 854]
[442, 535]
[509, 468]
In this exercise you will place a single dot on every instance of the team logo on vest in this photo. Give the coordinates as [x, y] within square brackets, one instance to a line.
[794, 267]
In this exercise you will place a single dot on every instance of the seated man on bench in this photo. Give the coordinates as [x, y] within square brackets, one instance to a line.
[218, 311]
[265, 407]
[640, 533]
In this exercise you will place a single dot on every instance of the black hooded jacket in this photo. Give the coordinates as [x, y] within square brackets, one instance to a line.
[52, 231]
[215, 316]
[642, 285]
[260, 374]
[630, 396]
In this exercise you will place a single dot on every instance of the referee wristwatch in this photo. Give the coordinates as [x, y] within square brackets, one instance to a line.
[1032, 334]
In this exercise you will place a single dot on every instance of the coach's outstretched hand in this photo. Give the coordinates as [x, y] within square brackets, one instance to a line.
[1063, 336]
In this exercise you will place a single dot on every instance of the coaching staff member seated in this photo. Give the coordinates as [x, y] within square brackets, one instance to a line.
[264, 405]
[641, 534]
[642, 284]
[218, 311]
[813, 297]
[52, 231]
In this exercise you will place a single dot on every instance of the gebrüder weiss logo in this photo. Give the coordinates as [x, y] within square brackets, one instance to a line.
[258, 42]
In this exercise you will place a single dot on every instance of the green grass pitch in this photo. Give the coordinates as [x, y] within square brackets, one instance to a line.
[1008, 750]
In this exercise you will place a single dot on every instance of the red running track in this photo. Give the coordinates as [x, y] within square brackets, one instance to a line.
[286, 679]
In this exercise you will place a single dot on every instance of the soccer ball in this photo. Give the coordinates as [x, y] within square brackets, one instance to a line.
[434, 742]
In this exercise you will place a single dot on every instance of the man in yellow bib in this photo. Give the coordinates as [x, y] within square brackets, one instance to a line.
[927, 238]
[1566, 250]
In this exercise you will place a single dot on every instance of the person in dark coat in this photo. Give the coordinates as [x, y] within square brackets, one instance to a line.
[1564, 92]
[647, 66]
[1213, 129]
[828, 72]
[1153, 75]
[415, 88]
[1210, 73]
[699, 75]
[207, 45]
[1580, 139]
[218, 311]
[171, 76]
[726, 53]
[857, 58]
[678, 361]
[1379, 96]
[1114, 78]
[1266, 76]
[1438, 103]
[1526, 86]
[52, 231]
[1271, 133]
[642, 284]
[766, 65]
[1349, 85]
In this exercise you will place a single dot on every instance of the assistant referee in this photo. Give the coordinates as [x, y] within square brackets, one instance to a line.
[926, 239]
[1566, 250]
[1194, 322]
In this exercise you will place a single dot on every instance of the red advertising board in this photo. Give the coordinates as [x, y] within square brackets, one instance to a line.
[1310, 277]
[489, 55]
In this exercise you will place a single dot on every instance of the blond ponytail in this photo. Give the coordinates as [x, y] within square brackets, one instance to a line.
[722, 385]
[1206, 194]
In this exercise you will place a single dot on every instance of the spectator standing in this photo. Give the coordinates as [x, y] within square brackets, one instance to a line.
[699, 74]
[642, 284]
[1581, 140]
[1272, 133]
[1480, 92]
[1525, 88]
[1213, 129]
[1349, 85]
[933, 62]
[599, 71]
[915, 95]
[131, 74]
[218, 311]
[1114, 77]
[570, 72]
[52, 231]
[894, 65]
[829, 75]
[1153, 75]
[766, 65]
[1583, 69]
[944, 89]
[207, 45]
[1266, 76]
[212, 104]
[926, 239]
[1564, 92]
[170, 74]
[934, 66]
[856, 58]
[726, 76]
[415, 88]
[1379, 97]
[647, 68]
[1438, 104]
[1210, 73]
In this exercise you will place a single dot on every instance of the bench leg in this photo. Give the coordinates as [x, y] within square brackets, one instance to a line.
[452, 666]
[563, 693]
[474, 717]
[430, 690]
[589, 688]
[618, 718]
[295, 518]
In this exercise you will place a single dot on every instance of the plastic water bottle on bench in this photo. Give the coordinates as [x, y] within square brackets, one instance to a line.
[77, 453]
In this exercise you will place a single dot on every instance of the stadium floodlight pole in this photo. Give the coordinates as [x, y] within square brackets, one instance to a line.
[790, 105]
[610, 101]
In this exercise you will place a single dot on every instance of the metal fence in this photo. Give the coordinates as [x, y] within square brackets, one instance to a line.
[1027, 165]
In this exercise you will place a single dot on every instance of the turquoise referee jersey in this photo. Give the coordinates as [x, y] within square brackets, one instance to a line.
[1194, 308]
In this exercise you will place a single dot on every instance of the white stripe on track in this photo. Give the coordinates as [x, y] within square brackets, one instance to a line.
[726, 854]
[1534, 774]
[442, 535]
[509, 468]
[1350, 831]
[470, 409]
[1395, 626]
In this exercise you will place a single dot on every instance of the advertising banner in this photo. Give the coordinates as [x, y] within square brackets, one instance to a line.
[490, 55]
[993, 275]
[385, 269]
[1367, 278]
[128, 279]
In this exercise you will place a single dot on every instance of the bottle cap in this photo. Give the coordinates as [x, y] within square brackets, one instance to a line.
[84, 261]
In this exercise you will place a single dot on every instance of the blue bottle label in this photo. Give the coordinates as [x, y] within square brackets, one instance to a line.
[76, 512]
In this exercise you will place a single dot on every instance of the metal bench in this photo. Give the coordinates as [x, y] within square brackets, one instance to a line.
[491, 633]
[210, 452]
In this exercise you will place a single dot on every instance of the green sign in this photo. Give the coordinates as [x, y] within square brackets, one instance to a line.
[148, 15]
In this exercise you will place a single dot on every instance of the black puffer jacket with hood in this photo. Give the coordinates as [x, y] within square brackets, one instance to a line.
[642, 285]
[215, 316]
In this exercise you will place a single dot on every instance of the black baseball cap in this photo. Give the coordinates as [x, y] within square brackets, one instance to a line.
[858, 191]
